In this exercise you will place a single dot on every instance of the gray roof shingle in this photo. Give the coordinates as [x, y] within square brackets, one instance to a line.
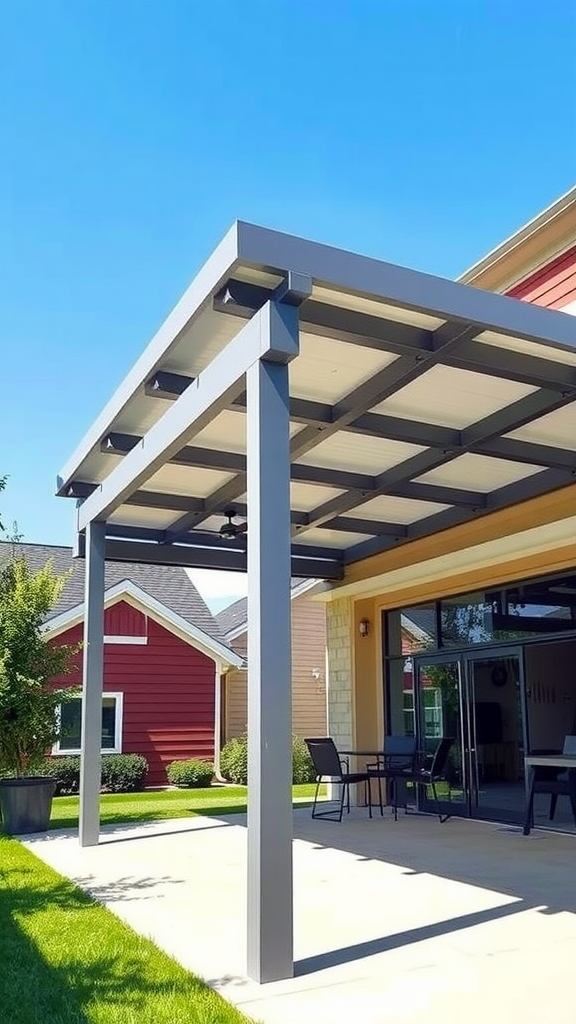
[169, 585]
[236, 615]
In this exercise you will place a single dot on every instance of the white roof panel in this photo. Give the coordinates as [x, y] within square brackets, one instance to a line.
[400, 380]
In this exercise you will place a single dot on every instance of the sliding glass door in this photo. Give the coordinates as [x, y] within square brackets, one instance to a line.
[477, 699]
[439, 712]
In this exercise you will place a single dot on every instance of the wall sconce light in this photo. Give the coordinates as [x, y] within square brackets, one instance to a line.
[364, 627]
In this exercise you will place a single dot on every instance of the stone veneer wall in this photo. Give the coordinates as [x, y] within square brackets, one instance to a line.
[340, 672]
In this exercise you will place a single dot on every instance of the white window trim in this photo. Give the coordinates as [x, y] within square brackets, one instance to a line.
[113, 639]
[118, 728]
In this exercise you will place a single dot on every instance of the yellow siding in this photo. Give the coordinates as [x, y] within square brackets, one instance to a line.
[308, 657]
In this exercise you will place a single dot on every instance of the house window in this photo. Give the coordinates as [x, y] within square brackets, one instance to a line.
[431, 711]
[70, 738]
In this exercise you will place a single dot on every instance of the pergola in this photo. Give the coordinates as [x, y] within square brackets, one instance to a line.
[339, 406]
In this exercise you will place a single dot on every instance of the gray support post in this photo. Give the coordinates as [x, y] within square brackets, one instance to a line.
[93, 670]
[270, 913]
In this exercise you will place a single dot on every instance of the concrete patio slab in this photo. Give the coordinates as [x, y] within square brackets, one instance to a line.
[463, 923]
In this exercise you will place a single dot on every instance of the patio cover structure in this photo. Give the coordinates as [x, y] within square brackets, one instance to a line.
[339, 406]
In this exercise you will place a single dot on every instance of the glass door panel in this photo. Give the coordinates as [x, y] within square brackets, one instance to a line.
[439, 713]
[496, 735]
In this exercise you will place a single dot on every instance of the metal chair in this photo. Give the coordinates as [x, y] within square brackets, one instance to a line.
[554, 782]
[329, 766]
[428, 772]
[398, 756]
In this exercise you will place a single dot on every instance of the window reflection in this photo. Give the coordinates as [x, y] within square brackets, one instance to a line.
[410, 630]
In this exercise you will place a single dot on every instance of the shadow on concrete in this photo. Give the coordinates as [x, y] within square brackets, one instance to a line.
[348, 954]
[539, 869]
[126, 889]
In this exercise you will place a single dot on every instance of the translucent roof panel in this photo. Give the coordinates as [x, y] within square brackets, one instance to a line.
[415, 403]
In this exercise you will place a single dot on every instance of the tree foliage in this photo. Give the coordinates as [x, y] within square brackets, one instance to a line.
[29, 700]
[2, 486]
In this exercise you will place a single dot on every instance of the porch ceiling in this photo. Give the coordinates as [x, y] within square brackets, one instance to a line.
[416, 403]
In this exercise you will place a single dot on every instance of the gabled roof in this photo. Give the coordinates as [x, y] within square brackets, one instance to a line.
[217, 650]
[421, 624]
[233, 620]
[168, 585]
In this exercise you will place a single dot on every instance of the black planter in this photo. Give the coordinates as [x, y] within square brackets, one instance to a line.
[25, 804]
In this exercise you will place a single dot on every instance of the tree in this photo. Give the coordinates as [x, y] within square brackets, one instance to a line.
[29, 700]
[3, 480]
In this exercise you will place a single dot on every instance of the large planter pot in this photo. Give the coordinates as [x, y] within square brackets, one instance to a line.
[25, 804]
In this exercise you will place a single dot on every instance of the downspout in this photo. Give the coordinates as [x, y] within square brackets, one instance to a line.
[217, 718]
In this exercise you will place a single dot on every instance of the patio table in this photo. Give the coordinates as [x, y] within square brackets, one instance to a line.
[381, 757]
[564, 761]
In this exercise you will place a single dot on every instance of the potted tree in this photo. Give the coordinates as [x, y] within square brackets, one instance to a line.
[29, 699]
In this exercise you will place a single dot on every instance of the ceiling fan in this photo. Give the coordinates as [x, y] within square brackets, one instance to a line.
[231, 530]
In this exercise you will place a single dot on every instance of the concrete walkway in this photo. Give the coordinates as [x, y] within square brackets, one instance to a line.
[463, 923]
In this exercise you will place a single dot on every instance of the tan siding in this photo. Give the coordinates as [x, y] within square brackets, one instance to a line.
[308, 655]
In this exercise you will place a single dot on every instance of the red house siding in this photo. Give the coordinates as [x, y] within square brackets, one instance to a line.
[553, 286]
[168, 689]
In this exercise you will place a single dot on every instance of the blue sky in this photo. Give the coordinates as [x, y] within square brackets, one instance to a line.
[135, 131]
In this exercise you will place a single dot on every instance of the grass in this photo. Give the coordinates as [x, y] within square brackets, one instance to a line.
[67, 960]
[149, 805]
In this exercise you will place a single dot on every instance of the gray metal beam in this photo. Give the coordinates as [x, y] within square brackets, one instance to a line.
[511, 494]
[92, 680]
[513, 416]
[342, 503]
[368, 526]
[274, 320]
[528, 451]
[270, 915]
[503, 421]
[314, 565]
[401, 372]
[198, 539]
[219, 384]
[429, 435]
[515, 366]
[243, 299]
[437, 493]
[165, 384]
[234, 462]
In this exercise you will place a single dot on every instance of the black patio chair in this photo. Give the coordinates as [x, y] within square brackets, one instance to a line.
[330, 767]
[397, 757]
[551, 781]
[428, 772]
[568, 748]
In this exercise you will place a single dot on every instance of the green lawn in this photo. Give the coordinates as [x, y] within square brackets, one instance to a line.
[156, 806]
[67, 960]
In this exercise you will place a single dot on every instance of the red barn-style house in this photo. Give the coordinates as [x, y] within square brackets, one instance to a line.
[164, 658]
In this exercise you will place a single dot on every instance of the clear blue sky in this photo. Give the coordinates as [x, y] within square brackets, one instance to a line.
[135, 131]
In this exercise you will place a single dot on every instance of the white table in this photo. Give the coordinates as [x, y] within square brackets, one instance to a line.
[564, 761]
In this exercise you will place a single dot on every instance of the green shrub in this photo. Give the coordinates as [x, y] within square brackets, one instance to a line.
[121, 773]
[66, 773]
[234, 761]
[191, 774]
[302, 767]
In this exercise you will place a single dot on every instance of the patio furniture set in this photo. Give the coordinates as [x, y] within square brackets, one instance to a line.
[398, 764]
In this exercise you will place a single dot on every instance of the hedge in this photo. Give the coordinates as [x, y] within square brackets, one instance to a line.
[190, 774]
[121, 773]
[234, 761]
